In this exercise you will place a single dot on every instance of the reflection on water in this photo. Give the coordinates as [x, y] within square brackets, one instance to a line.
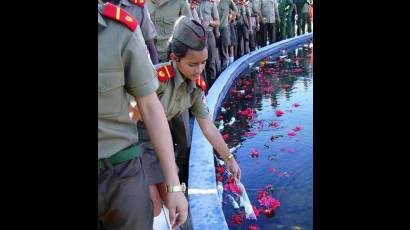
[266, 119]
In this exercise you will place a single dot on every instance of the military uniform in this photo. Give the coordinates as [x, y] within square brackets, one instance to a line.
[164, 14]
[121, 71]
[252, 6]
[270, 15]
[137, 9]
[224, 40]
[208, 11]
[242, 29]
[285, 13]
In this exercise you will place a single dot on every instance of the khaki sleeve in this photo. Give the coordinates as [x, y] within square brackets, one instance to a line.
[140, 78]
[199, 108]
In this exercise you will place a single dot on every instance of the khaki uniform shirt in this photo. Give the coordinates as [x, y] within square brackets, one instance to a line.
[179, 94]
[269, 10]
[123, 67]
[208, 11]
[164, 15]
[223, 11]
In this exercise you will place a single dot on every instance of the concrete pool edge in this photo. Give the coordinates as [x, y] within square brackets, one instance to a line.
[206, 211]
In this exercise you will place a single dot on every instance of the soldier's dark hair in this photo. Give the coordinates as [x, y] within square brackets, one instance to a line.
[178, 48]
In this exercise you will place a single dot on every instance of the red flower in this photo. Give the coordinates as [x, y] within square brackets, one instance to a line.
[234, 188]
[285, 86]
[292, 134]
[254, 153]
[255, 210]
[295, 105]
[219, 178]
[298, 128]
[220, 169]
[272, 170]
[225, 136]
[237, 219]
[253, 227]
[274, 124]
[248, 96]
[279, 112]
[233, 91]
[261, 195]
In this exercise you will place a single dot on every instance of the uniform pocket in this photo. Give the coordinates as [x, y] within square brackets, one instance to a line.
[110, 93]
[169, 24]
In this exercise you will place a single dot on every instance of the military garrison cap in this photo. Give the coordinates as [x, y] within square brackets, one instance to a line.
[190, 33]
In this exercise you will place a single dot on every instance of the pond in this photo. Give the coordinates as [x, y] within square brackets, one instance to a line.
[266, 119]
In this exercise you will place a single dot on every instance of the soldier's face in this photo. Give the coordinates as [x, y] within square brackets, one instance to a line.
[192, 65]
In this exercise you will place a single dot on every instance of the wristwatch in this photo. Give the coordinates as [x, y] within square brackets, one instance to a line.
[177, 188]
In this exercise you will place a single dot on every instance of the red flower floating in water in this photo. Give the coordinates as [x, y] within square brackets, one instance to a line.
[219, 178]
[233, 91]
[274, 124]
[247, 112]
[295, 105]
[225, 136]
[292, 134]
[285, 86]
[234, 188]
[250, 134]
[220, 169]
[272, 170]
[297, 128]
[254, 153]
[279, 112]
[237, 219]
[248, 96]
[253, 227]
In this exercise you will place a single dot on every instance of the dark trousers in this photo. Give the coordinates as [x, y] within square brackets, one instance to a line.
[243, 39]
[224, 42]
[124, 200]
[210, 67]
[268, 31]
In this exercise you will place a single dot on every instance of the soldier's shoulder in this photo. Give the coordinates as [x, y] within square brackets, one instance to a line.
[119, 15]
[165, 71]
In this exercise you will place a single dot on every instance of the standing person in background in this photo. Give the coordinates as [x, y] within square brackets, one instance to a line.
[270, 20]
[224, 9]
[242, 27]
[234, 41]
[285, 8]
[208, 12]
[164, 14]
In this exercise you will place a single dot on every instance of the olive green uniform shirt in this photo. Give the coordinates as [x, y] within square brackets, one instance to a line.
[179, 94]
[164, 15]
[143, 18]
[269, 10]
[223, 10]
[208, 11]
[123, 67]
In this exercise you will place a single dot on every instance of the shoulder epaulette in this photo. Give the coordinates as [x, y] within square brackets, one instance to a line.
[165, 72]
[116, 13]
[139, 3]
[200, 82]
